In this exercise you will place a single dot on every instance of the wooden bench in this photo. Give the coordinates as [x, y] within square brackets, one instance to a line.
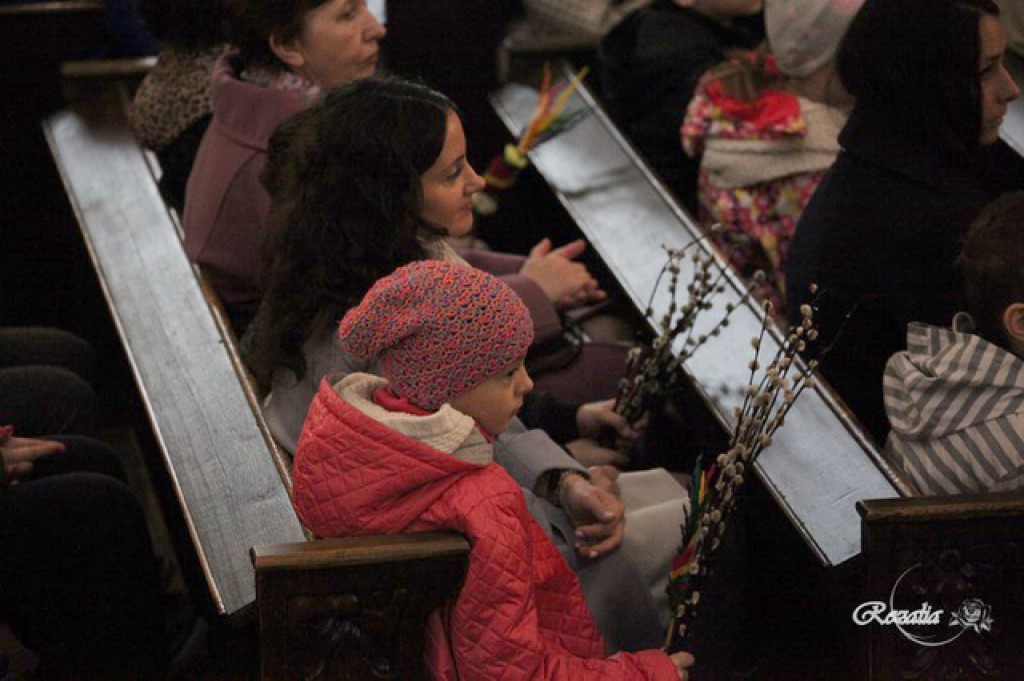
[355, 605]
[821, 463]
[839, 493]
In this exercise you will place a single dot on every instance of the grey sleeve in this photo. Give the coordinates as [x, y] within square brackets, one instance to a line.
[528, 454]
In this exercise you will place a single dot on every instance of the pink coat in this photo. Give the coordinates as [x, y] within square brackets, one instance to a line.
[520, 613]
[226, 207]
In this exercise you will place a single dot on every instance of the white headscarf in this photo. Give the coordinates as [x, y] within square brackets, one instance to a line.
[804, 34]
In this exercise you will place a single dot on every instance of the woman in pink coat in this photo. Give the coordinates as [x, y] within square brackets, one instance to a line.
[284, 53]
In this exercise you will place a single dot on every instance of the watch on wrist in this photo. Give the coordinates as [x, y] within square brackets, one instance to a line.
[555, 481]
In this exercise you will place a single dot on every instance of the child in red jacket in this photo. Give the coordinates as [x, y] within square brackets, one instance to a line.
[412, 452]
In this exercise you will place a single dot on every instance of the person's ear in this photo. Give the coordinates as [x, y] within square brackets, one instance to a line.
[1013, 321]
[288, 51]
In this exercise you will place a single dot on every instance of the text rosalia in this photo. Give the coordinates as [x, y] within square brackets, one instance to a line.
[879, 613]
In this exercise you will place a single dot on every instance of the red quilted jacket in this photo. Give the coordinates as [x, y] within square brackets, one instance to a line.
[520, 614]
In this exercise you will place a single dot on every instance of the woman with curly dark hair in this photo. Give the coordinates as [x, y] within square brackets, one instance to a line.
[920, 156]
[360, 186]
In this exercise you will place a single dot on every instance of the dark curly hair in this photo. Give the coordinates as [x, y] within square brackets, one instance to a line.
[250, 24]
[344, 181]
[992, 265]
[915, 63]
[185, 24]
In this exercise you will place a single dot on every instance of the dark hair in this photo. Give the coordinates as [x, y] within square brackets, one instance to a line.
[250, 24]
[185, 24]
[344, 181]
[916, 63]
[992, 265]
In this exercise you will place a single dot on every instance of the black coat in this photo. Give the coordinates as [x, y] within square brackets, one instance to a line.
[880, 237]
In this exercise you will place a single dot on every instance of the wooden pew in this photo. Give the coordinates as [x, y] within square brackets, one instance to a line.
[821, 463]
[821, 470]
[357, 604]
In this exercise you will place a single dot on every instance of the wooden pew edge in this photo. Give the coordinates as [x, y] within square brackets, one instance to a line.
[76, 207]
[56, 7]
[227, 333]
[957, 507]
[97, 69]
[246, 612]
[325, 554]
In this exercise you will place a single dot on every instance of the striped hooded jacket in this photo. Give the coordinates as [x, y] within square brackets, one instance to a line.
[956, 404]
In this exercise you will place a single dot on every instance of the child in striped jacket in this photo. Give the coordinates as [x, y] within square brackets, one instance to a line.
[955, 397]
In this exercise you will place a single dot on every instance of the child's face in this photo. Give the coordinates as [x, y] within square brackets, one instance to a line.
[496, 401]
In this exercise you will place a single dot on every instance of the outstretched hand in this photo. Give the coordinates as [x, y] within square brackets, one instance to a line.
[598, 516]
[564, 282]
[19, 453]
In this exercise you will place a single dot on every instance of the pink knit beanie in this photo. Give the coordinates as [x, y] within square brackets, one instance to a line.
[438, 329]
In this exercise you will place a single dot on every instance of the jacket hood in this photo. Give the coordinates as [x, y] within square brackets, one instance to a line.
[948, 381]
[246, 113]
[447, 429]
[353, 475]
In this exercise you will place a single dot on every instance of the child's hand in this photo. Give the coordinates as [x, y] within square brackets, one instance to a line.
[682, 661]
[599, 517]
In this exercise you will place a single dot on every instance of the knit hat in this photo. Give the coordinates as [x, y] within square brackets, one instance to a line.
[804, 34]
[438, 329]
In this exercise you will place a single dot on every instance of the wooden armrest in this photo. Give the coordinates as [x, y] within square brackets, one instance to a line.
[136, 67]
[943, 551]
[922, 509]
[353, 608]
[51, 8]
[326, 554]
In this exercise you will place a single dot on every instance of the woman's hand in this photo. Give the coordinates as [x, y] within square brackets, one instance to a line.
[605, 477]
[683, 661]
[563, 281]
[598, 516]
